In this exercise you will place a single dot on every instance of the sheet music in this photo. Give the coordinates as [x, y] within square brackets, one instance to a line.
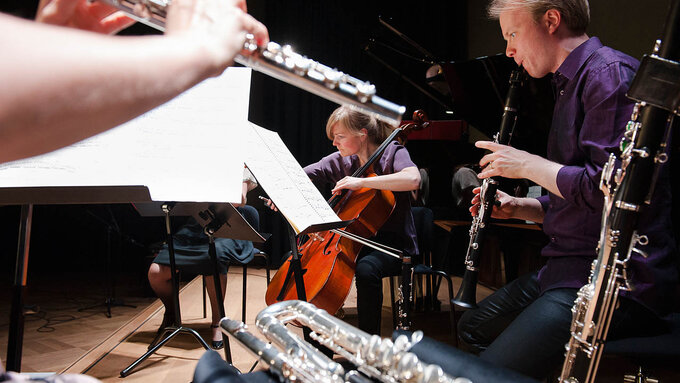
[279, 173]
[188, 149]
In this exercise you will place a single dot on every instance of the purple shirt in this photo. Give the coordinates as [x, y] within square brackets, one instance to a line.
[590, 115]
[395, 158]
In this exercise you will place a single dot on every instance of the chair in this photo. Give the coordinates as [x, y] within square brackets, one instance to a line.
[252, 216]
[424, 223]
[647, 352]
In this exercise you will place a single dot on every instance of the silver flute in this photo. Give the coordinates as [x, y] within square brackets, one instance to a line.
[283, 63]
[374, 356]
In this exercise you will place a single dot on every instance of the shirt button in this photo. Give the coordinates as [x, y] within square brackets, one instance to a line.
[553, 239]
[562, 92]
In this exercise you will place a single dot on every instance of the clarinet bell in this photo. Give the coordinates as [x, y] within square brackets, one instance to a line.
[467, 294]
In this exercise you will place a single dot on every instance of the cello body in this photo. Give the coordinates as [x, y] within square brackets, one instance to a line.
[328, 260]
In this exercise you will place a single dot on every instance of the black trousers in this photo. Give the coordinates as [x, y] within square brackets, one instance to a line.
[371, 268]
[518, 328]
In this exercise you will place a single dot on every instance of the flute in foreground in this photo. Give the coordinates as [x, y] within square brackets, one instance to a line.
[283, 63]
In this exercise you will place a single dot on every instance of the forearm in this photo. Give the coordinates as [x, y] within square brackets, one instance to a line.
[543, 172]
[42, 110]
[405, 180]
[528, 209]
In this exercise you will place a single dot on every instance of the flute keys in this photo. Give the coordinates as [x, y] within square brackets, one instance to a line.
[250, 45]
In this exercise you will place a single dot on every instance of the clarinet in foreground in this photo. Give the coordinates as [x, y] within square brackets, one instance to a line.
[467, 294]
[375, 358]
[656, 88]
[283, 63]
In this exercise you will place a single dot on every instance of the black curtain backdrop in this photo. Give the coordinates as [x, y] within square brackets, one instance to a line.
[336, 34]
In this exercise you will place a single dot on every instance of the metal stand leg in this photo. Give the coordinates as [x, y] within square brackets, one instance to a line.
[218, 289]
[16, 325]
[176, 327]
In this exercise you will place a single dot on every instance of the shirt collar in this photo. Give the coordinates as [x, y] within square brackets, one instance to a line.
[577, 58]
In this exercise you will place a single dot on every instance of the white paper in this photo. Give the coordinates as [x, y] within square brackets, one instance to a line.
[284, 180]
[189, 149]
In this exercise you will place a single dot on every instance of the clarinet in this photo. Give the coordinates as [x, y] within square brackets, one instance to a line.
[467, 294]
[282, 63]
[643, 152]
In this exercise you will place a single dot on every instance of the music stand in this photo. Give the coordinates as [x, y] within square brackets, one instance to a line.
[27, 197]
[110, 300]
[217, 219]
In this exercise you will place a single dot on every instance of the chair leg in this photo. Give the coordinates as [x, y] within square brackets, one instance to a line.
[245, 286]
[452, 314]
[205, 313]
[394, 310]
[267, 266]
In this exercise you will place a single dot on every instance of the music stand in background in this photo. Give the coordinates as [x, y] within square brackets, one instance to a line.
[218, 220]
[110, 284]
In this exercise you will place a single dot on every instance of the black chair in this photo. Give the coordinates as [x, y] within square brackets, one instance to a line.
[649, 353]
[252, 216]
[424, 223]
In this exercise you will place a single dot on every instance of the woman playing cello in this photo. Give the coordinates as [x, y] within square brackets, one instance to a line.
[357, 136]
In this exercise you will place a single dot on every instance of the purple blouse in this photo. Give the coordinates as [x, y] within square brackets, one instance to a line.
[590, 115]
[395, 158]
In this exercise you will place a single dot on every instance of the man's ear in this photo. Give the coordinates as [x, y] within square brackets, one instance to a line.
[552, 20]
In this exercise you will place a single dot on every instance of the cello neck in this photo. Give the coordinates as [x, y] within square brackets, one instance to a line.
[378, 152]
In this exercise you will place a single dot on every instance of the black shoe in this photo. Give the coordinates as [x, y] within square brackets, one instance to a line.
[216, 344]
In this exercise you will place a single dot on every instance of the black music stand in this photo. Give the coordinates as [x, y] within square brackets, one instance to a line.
[27, 197]
[220, 220]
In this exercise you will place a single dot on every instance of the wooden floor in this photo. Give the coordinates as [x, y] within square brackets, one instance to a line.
[60, 338]
[101, 347]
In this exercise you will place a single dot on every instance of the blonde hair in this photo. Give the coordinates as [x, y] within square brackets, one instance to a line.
[354, 121]
[575, 13]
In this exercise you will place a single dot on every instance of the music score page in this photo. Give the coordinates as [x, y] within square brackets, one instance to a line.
[286, 183]
[186, 150]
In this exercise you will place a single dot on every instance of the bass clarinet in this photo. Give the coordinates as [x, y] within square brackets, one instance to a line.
[467, 294]
[283, 63]
[375, 358]
[625, 194]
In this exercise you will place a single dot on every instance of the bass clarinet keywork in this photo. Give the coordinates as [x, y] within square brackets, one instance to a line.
[627, 192]
[283, 63]
[375, 358]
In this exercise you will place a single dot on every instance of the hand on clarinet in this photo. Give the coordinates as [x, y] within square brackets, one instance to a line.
[268, 203]
[504, 208]
[503, 161]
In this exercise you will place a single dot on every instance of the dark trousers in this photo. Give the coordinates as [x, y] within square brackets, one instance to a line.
[518, 328]
[371, 268]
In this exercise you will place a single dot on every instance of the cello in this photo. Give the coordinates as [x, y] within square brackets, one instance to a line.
[328, 258]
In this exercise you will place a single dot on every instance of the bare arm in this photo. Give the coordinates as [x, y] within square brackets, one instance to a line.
[62, 85]
[405, 180]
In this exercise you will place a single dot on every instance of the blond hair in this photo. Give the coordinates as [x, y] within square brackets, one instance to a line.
[354, 121]
[575, 13]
